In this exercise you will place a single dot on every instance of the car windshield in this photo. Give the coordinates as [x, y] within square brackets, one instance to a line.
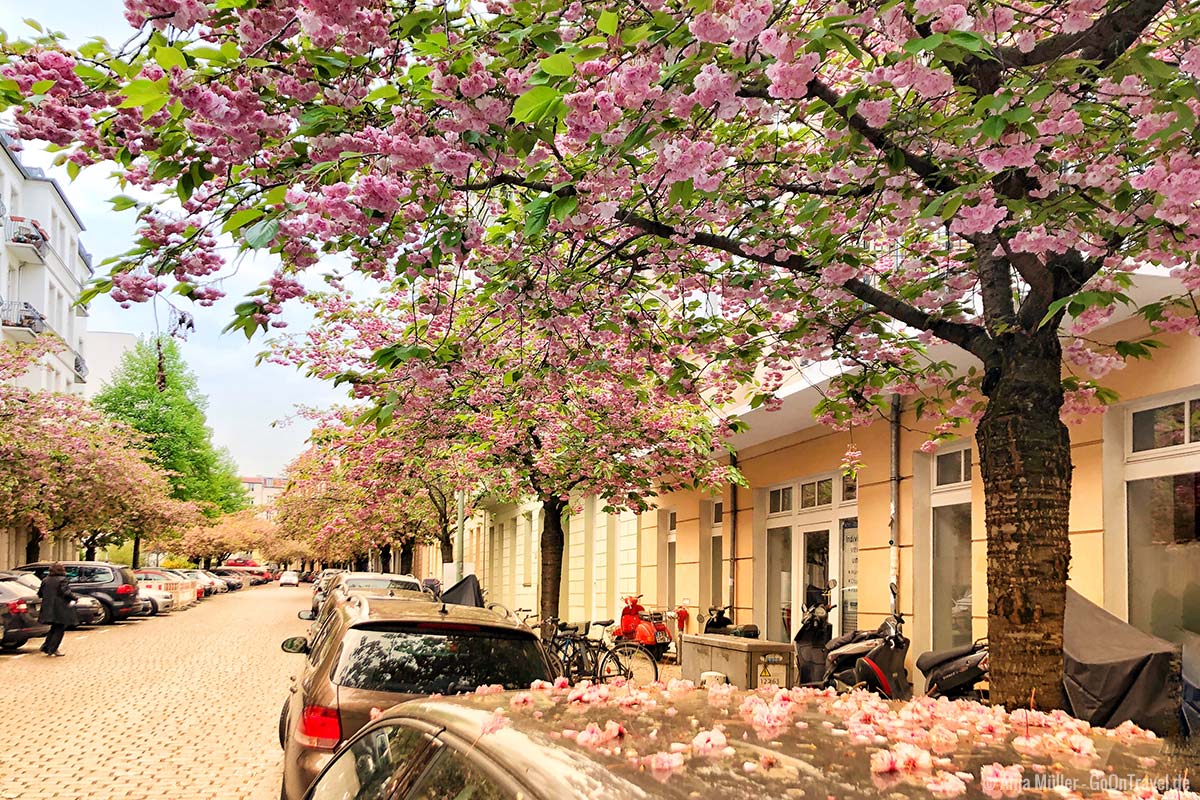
[382, 583]
[428, 660]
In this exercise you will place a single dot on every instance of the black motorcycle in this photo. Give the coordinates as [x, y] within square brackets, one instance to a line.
[871, 659]
[815, 632]
[717, 622]
[957, 672]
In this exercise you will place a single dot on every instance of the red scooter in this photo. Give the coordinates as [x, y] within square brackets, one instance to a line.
[647, 629]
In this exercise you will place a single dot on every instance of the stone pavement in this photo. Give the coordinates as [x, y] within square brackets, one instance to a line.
[182, 707]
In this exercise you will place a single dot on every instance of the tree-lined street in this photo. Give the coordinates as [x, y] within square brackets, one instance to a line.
[181, 707]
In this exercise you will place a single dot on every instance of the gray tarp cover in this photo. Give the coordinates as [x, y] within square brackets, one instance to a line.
[1114, 672]
[464, 593]
[1191, 685]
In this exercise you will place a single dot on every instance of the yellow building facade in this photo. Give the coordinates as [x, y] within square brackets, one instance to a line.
[763, 548]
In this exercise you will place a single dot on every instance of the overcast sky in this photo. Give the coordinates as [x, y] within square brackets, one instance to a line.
[244, 400]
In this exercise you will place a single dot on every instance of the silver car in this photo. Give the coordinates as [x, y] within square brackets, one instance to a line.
[160, 602]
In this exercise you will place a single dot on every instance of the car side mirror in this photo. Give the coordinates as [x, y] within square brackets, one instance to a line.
[306, 615]
[295, 644]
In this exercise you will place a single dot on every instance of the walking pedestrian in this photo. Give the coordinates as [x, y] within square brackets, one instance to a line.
[56, 610]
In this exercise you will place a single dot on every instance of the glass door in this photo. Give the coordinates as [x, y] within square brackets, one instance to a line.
[779, 584]
[815, 575]
[847, 609]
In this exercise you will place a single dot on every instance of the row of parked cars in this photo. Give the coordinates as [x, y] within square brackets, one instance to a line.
[376, 640]
[110, 592]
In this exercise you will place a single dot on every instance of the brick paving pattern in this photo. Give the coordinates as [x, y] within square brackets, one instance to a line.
[183, 707]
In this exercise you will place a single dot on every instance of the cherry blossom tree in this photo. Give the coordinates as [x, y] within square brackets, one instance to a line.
[215, 541]
[68, 470]
[828, 180]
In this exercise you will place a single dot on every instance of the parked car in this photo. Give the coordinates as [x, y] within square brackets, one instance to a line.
[88, 610]
[113, 585]
[289, 578]
[231, 578]
[214, 584]
[347, 584]
[158, 601]
[321, 588]
[380, 651]
[19, 606]
[672, 744]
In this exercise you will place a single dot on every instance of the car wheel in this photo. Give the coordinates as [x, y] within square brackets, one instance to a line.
[153, 608]
[107, 615]
[283, 725]
[15, 644]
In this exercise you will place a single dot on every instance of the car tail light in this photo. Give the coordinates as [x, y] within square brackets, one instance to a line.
[126, 588]
[320, 728]
[18, 607]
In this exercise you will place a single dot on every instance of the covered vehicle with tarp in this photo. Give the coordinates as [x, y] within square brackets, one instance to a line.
[1191, 685]
[466, 592]
[1114, 672]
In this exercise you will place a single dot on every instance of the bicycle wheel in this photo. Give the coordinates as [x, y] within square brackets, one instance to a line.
[630, 661]
[573, 657]
[557, 670]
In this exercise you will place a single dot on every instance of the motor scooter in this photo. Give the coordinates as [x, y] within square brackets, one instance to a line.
[814, 634]
[873, 659]
[718, 623]
[646, 628]
[957, 672]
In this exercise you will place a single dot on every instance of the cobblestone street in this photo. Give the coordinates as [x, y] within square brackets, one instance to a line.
[183, 707]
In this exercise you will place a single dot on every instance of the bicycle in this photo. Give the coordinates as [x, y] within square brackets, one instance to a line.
[584, 657]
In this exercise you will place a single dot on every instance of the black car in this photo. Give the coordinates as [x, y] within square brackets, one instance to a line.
[19, 605]
[115, 586]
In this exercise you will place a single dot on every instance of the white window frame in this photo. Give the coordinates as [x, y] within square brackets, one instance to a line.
[1170, 452]
[783, 514]
[958, 488]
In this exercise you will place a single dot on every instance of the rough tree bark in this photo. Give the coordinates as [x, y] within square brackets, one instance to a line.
[1025, 462]
[552, 555]
[137, 551]
[361, 563]
[33, 546]
[89, 552]
[406, 557]
[446, 540]
[385, 558]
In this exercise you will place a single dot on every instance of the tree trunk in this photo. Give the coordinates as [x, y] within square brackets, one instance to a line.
[33, 546]
[385, 558]
[361, 563]
[1025, 461]
[137, 551]
[406, 557]
[89, 552]
[552, 555]
[447, 542]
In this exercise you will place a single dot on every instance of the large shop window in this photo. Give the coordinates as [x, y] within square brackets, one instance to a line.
[1164, 549]
[951, 575]
[716, 562]
[779, 584]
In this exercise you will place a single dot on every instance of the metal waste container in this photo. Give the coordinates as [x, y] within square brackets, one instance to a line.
[747, 663]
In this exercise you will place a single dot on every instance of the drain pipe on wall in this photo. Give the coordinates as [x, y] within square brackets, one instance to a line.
[894, 479]
[733, 531]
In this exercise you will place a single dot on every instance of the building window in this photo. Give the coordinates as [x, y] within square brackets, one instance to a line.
[849, 587]
[716, 560]
[953, 467]
[1164, 555]
[780, 500]
[1168, 425]
[815, 494]
[528, 569]
[849, 488]
[718, 512]
[951, 576]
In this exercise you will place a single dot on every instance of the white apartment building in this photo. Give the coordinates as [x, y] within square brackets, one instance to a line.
[105, 350]
[43, 268]
[262, 492]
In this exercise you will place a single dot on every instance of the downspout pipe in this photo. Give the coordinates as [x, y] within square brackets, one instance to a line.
[733, 532]
[894, 480]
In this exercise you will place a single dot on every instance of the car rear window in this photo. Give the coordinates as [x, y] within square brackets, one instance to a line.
[428, 660]
[382, 584]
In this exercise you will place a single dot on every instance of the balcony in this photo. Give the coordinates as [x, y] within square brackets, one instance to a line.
[81, 369]
[22, 316]
[26, 240]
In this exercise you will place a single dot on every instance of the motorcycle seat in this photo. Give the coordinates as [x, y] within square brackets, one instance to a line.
[602, 623]
[929, 660]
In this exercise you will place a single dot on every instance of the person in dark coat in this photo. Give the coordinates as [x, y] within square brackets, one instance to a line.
[56, 611]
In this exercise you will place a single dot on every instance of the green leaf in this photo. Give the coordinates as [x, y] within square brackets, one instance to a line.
[240, 219]
[557, 64]
[537, 215]
[993, 127]
[41, 87]
[565, 207]
[168, 57]
[535, 103]
[385, 92]
[607, 23]
[122, 202]
[261, 233]
[140, 92]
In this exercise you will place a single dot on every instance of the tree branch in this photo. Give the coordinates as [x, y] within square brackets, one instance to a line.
[1105, 41]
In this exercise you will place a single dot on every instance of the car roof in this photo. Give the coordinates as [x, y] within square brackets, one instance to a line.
[385, 575]
[796, 744]
[367, 609]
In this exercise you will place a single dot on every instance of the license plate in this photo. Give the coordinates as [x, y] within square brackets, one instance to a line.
[662, 637]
